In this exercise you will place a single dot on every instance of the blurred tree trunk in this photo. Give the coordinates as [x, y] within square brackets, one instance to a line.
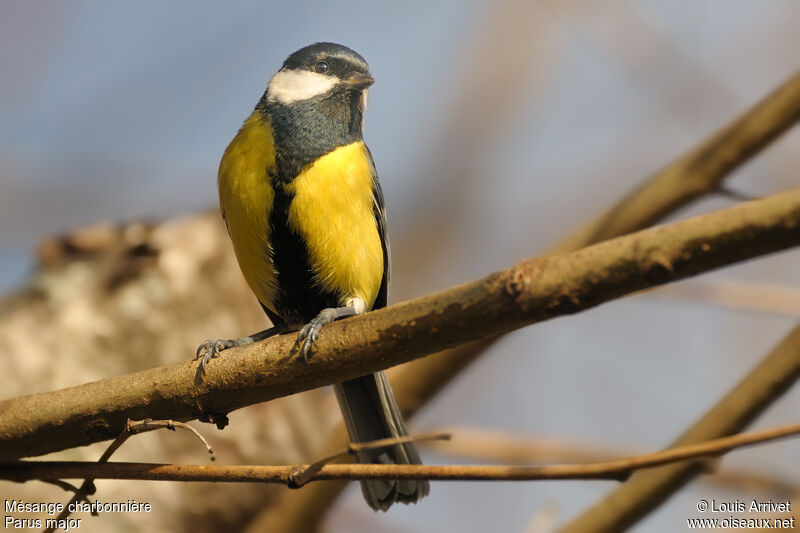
[111, 299]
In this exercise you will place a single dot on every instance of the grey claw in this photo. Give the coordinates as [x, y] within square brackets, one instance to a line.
[306, 339]
[309, 333]
[311, 340]
[211, 349]
[205, 348]
[202, 349]
[300, 342]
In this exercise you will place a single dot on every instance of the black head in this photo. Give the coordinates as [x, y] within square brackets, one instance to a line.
[341, 59]
[315, 103]
[317, 70]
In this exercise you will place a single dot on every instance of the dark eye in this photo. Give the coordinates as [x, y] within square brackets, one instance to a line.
[321, 67]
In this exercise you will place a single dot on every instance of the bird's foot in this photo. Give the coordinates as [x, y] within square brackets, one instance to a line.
[212, 348]
[309, 333]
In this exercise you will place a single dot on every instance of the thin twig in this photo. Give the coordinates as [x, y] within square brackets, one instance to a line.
[356, 447]
[148, 424]
[480, 444]
[303, 474]
[618, 469]
[131, 428]
[87, 487]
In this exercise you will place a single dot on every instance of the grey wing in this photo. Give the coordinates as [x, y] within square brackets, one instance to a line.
[379, 210]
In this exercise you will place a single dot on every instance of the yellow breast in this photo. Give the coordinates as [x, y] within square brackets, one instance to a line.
[332, 210]
[246, 199]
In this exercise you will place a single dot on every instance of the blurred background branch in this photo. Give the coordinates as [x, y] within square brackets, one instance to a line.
[700, 171]
[773, 376]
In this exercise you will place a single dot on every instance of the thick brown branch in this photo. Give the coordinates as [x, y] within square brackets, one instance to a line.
[532, 291]
[616, 469]
[646, 490]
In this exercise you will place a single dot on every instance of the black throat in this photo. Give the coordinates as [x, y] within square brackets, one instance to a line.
[306, 130]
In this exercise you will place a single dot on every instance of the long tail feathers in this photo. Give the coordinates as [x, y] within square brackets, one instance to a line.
[371, 413]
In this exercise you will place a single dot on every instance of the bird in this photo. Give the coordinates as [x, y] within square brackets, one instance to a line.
[301, 200]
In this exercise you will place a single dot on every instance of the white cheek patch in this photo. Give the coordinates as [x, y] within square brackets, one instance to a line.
[288, 86]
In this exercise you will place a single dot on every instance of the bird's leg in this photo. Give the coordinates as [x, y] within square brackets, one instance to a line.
[310, 332]
[211, 348]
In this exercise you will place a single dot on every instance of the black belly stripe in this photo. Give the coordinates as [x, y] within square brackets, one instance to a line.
[299, 298]
[303, 132]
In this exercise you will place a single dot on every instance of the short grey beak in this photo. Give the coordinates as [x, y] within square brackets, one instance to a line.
[359, 81]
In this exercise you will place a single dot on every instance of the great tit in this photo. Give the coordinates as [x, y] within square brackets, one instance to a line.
[300, 196]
